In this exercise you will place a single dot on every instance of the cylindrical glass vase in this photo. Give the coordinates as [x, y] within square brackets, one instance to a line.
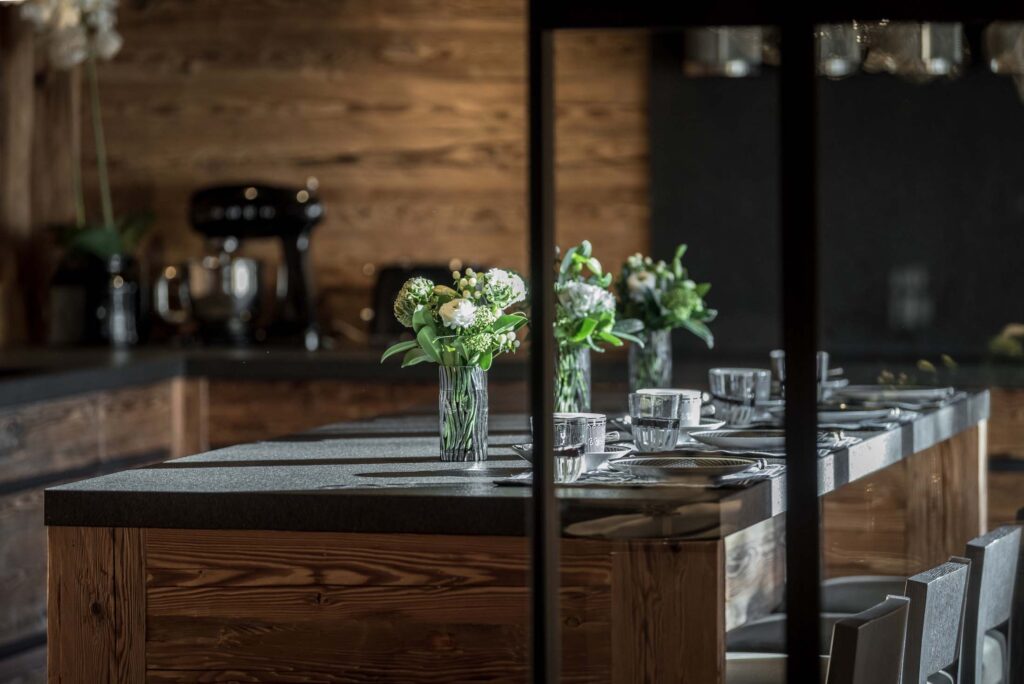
[572, 380]
[462, 405]
[650, 366]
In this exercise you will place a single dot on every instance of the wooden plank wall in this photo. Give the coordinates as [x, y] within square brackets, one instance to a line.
[410, 113]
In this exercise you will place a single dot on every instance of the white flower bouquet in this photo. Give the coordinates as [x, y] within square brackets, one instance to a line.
[584, 320]
[462, 325]
[663, 297]
[461, 328]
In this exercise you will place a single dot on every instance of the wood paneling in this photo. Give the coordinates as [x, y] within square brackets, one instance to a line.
[409, 112]
[190, 416]
[96, 582]
[244, 411]
[910, 516]
[22, 566]
[668, 614]
[286, 606]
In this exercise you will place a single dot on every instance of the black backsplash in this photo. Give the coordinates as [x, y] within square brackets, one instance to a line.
[921, 196]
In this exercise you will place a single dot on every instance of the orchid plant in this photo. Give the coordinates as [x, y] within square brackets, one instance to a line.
[466, 324]
[81, 32]
[664, 297]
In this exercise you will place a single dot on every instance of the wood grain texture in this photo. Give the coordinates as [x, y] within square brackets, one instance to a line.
[22, 566]
[668, 612]
[97, 604]
[277, 606]
[245, 411]
[1006, 422]
[190, 416]
[910, 516]
[755, 571]
[412, 119]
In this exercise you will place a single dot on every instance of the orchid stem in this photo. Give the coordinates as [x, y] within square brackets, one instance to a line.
[106, 205]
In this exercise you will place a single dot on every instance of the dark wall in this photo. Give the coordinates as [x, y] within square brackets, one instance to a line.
[921, 196]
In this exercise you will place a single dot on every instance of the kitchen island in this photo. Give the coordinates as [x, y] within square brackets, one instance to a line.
[351, 553]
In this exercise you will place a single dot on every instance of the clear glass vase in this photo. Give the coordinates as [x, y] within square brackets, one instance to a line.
[462, 405]
[650, 366]
[572, 380]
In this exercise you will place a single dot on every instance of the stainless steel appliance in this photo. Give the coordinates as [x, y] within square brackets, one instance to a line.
[222, 291]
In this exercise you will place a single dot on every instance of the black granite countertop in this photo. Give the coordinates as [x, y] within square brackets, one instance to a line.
[384, 476]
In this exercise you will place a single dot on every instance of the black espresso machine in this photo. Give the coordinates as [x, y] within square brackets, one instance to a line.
[229, 214]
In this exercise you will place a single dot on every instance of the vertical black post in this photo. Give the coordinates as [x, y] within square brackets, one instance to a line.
[544, 520]
[798, 183]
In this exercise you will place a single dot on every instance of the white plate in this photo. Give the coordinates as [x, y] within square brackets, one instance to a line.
[673, 466]
[885, 393]
[748, 440]
[857, 415]
[705, 424]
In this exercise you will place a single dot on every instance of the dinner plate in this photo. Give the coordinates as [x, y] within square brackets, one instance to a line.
[836, 414]
[902, 393]
[746, 439]
[680, 465]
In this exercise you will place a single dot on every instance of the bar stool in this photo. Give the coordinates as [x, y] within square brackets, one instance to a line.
[987, 618]
[987, 629]
[934, 627]
[867, 648]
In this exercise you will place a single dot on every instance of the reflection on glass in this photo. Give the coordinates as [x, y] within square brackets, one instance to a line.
[839, 49]
[729, 51]
[916, 51]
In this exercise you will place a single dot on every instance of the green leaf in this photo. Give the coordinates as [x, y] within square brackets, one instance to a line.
[587, 327]
[99, 242]
[700, 330]
[414, 357]
[628, 325]
[609, 338]
[420, 319]
[595, 267]
[703, 288]
[398, 349]
[485, 360]
[586, 248]
[630, 338]
[509, 322]
[567, 260]
[427, 337]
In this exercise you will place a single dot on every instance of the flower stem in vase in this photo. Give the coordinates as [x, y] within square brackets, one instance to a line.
[650, 366]
[463, 413]
[572, 380]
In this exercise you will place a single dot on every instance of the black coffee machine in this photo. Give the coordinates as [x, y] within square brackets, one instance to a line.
[237, 212]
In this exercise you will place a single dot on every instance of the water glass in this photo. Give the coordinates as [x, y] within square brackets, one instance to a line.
[655, 419]
[689, 404]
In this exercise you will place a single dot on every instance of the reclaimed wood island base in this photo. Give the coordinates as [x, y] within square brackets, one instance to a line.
[247, 584]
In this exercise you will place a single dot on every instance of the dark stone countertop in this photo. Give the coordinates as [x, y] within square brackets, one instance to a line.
[384, 476]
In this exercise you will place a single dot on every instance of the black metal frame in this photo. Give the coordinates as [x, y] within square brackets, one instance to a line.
[798, 206]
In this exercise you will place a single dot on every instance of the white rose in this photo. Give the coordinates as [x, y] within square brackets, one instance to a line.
[458, 313]
[640, 283]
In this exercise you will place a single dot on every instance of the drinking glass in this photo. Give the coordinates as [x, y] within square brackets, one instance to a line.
[689, 404]
[655, 419]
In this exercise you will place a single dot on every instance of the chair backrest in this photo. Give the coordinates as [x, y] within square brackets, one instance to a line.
[867, 648]
[993, 559]
[935, 625]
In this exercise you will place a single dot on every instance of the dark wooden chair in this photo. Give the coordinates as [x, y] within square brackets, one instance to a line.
[867, 648]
